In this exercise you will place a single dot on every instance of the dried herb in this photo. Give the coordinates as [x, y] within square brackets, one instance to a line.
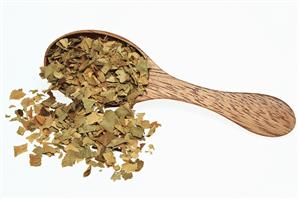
[20, 149]
[95, 74]
[17, 94]
[96, 71]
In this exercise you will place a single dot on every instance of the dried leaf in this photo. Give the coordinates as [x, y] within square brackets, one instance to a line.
[129, 167]
[27, 102]
[71, 147]
[35, 160]
[20, 149]
[68, 160]
[88, 103]
[126, 175]
[137, 131]
[140, 164]
[109, 158]
[40, 119]
[93, 118]
[116, 142]
[153, 127]
[87, 171]
[33, 137]
[17, 94]
[122, 76]
[109, 120]
[116, 176]
[21, 130]
[64, 42]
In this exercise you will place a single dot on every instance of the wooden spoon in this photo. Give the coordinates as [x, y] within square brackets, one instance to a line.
[261, 114]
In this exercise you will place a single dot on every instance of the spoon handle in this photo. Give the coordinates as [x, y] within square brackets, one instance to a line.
[261, 114]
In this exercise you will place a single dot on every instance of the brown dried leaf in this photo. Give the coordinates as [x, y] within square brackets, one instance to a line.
[35, 160]
[20, 149]
[21, 130]
[153, 127]
[17, 94]
[109, 158]
[87, 171]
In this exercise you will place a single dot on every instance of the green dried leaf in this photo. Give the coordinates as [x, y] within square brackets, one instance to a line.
[68, 160]
[122, 76]
[126, 175]
[86, 44]
[153, 127]
[137, 131]
[64, 42]
[109, 120]
[123, 111]
[116, 176]
[142, 67]
[116, 142]
[93, 118]
[88, 104]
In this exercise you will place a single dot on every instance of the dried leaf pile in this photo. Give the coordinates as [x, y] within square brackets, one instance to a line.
[95, 74]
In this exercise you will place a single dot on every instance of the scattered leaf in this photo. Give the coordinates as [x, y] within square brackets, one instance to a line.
[35, 160]
[21, 130]
[20, 149]
[17, 94]
[95, 74]
[87, 171]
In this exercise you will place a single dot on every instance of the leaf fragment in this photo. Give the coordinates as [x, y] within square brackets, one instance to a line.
[17, 94]
[129, 167]
[20, 149]
[35, 160]
[21, 130]
[116, 176]
[137, 131]
[87, 171]
[64, 42]
[109, 120]
[109, 158]
[68, 160]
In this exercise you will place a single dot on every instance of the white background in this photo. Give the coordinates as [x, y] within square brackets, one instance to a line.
[245, 46]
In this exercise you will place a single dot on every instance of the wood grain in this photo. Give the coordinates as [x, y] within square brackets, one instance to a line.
[261, 114]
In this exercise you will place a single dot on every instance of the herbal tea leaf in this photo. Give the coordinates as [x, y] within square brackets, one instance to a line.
[17, 94]
[20, 149]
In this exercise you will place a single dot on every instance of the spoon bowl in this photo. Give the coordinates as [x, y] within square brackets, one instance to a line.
[258, 113]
